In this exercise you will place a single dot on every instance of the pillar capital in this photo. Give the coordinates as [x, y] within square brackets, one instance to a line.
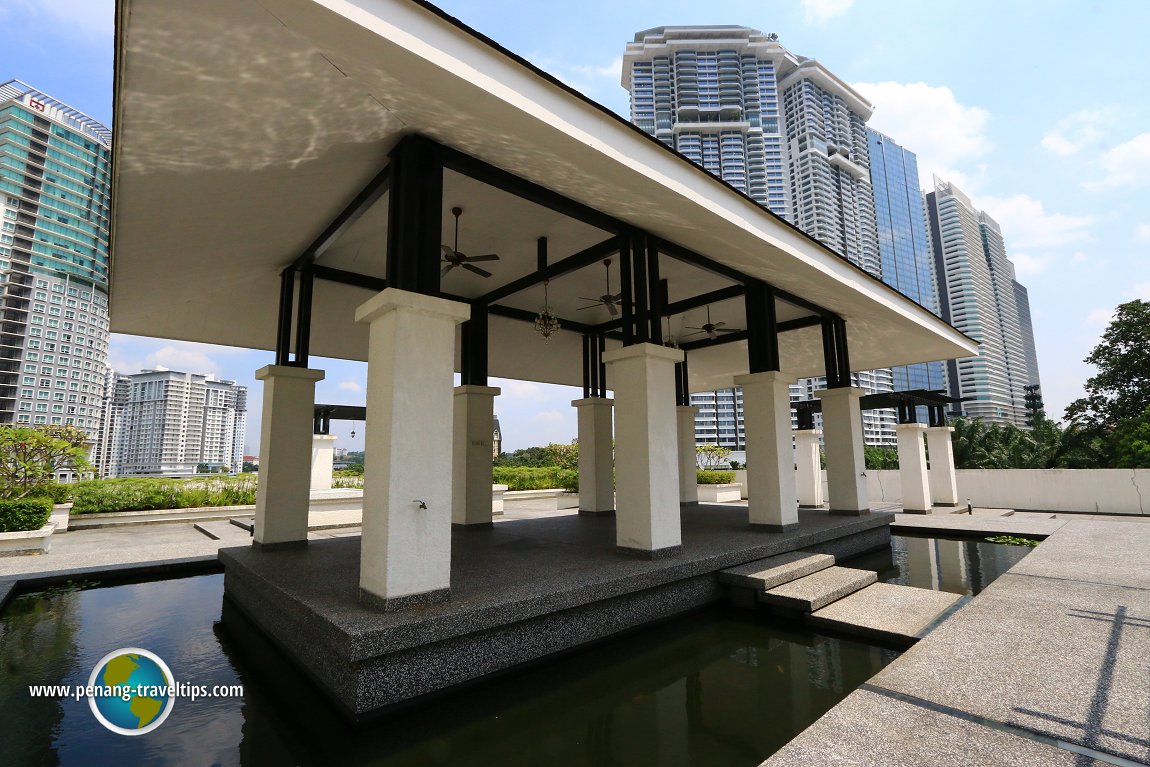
[939, 429]
[593, 402]
[323, 438]
[840, 393]
[644, 351]
[766, 376]
[910, 427]
[394, 299]
[289, 371]
[808, 433]
[474, 390]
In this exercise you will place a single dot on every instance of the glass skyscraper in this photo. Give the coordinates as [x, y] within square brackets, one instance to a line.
[906, 259]
[54, 202]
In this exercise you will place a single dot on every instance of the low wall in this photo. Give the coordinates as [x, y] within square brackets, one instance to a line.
[1094, 491]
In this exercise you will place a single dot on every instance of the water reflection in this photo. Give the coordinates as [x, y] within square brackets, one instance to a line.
[712, 688]
[959, 566]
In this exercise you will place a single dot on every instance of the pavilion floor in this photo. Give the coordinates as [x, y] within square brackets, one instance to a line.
[521, 591]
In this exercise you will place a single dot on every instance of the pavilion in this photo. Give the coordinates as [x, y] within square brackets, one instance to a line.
[285, 178]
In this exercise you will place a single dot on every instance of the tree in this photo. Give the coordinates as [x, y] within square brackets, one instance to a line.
[880, 457]
[564, 456]
[30, 458]
[711, 456]
[1131, 443]
[1120, 391]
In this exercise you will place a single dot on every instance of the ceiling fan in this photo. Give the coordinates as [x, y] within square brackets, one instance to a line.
[610, 300]
[452, 256]
[712, 329]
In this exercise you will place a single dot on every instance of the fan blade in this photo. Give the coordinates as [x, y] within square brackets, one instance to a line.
[477, 270]
[488, 257]
[588, 306]
[617, 297]
[612, 310]
[447, 251]
[728, 330]
[712, 335]
[718, 324]
[697, 332]
[692, 327]
[446, 269]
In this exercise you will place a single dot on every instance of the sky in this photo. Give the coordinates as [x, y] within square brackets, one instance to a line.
[1034, 109]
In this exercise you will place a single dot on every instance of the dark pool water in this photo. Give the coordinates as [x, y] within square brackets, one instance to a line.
[713, 688]
[957, 565]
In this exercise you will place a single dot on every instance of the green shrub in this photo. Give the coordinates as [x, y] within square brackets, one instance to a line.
[345, 482]
[704, 477]
[24, 514]
[59, 493]
[150, 494]
[536, 478]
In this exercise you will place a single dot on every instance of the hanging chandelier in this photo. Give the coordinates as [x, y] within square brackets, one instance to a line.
[545, 321]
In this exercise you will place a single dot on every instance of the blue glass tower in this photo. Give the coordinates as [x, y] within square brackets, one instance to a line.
[907, 262]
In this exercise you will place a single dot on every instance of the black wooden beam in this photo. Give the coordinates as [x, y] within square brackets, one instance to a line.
[330, 274]
[474, 346]
[486, 173]
[801, 322]
[703, 343]
[303, 319]
[762, 329]
[581, 259]
[359, 205]
[283, 328]
[510, 312]
[415, 216]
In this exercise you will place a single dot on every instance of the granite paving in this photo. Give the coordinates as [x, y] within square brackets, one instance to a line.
[887, 612]
[1053, 652]
[774, 571]
[815, 591]
[964, 524]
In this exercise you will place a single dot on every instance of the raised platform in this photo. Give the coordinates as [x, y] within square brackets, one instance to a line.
[521, 591]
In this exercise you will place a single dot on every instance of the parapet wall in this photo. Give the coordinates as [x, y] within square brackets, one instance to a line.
[1095, 491]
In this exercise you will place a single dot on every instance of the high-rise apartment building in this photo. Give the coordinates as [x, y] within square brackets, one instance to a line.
[905, 255]
[54, 221]
[978, 296]
[781, 128]
[171, 423]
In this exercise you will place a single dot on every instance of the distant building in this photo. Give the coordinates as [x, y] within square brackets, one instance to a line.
[979, 296]
[55, 194]
[172, 423]
[106, 455]
[496, 440]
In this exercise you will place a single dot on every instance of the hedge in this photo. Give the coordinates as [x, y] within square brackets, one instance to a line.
[149, 494]
[24, 514]
[704, 477]
[533, 478]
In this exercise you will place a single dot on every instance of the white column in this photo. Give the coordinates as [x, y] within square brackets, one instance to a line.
[596, 459]
[647, 476]
[912, 468]
[283, 494]
[472, 455]
[322, 459]
[771, 499]
[809, 476]
[688, 463]
[843, 442]
[943, 487]
[406, 548]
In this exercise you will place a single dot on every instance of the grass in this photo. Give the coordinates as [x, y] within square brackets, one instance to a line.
[103, 496]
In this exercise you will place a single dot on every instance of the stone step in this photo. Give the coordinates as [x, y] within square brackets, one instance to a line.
[764, 574]
[816, 591]
[888, 612]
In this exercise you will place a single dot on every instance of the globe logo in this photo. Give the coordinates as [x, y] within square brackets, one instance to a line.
[131, 691]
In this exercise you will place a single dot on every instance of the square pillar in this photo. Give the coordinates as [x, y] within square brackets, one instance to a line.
[843, 441]
[647, 479]
[808, 476]
[596, 455]
[471, 457]
[405, 556]
[943, 487]
[322, 460]
[771, 500]
[912, 468]
[283, 493]
[688, 462]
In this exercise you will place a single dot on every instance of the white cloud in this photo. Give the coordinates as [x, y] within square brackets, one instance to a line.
[550, 416]
[1078, 131]
[1026, 224]
[1080, 257]
[519, 390]
[1127, 164]
[350, 385]
[928, 120]
[1100, 317]
[1142, 233]
[1026, 265]
[821, 11]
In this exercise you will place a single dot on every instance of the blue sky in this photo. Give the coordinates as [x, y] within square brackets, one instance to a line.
[1036, 110]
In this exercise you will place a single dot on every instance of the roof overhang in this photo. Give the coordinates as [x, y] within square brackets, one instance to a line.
[243, 128]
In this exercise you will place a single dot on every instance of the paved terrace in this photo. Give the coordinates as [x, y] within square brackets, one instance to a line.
[1046, 667]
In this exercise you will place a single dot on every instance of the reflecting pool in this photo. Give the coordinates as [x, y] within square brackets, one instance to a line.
[958, 565]
[715, 688]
